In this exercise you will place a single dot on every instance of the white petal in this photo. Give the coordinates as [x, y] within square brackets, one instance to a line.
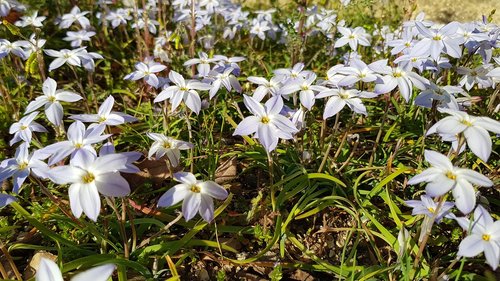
[174, 195]
[465, 197]
[206, 208]
[471, 246]
[90, 200]
[99, 273]
[191, 205]
[48, 271]
[112, 184]
[479, 142]
[213, 189]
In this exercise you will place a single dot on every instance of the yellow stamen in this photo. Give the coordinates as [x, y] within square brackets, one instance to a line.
[451, 175]
[486, 237]
[195, 189]
[88, 177]
[265, 120]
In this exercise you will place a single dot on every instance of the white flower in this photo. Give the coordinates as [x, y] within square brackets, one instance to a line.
[49, 271]
[51, 100]
[63, 56]
[90, 175]
[353, 37]
[75, 15]
[474, 129]
[171, 147]
[33, 20]
[146, 71]
[266, 122]
[77, 37]
[483, 237]
[340, 97]
[197, 196]
[105, 115]
[443, 177]
[183, 90]
[80, 140]
[23, 129]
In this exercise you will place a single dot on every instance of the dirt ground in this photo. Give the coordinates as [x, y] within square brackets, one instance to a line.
[460, 10]
[437, 10]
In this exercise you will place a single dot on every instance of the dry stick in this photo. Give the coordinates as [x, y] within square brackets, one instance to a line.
[428, 232]
[350, 156]
[132, 226]
[11, 262]
[163, 230]
[3, 271]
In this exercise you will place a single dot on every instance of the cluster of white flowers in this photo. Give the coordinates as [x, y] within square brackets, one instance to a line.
[277, 105]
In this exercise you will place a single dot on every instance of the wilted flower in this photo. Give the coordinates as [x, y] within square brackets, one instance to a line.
[197, 196]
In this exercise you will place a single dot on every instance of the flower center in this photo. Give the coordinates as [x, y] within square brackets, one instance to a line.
[407, 44]
[431, 210]
[451, 175]
[88, 177]
[352, 36]
[265, 120]
[437, 38]
[397, 74]
[78, 145]
[304, 87]
[51, 99]
[23, 165]
[196, 189]
[184, 88]
[344, 96]
[166, 144]
[23, 127]
[102, 119]
[486, 237]
[466, 122]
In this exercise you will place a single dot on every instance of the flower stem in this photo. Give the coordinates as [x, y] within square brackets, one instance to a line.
[271, 180]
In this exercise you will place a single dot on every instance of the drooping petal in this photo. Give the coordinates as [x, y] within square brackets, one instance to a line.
[74, 200]
[55, 113]
[90, 200]
[439, 186]
[206, 208]
[465, 197]
[479, 142]
[6, 199]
